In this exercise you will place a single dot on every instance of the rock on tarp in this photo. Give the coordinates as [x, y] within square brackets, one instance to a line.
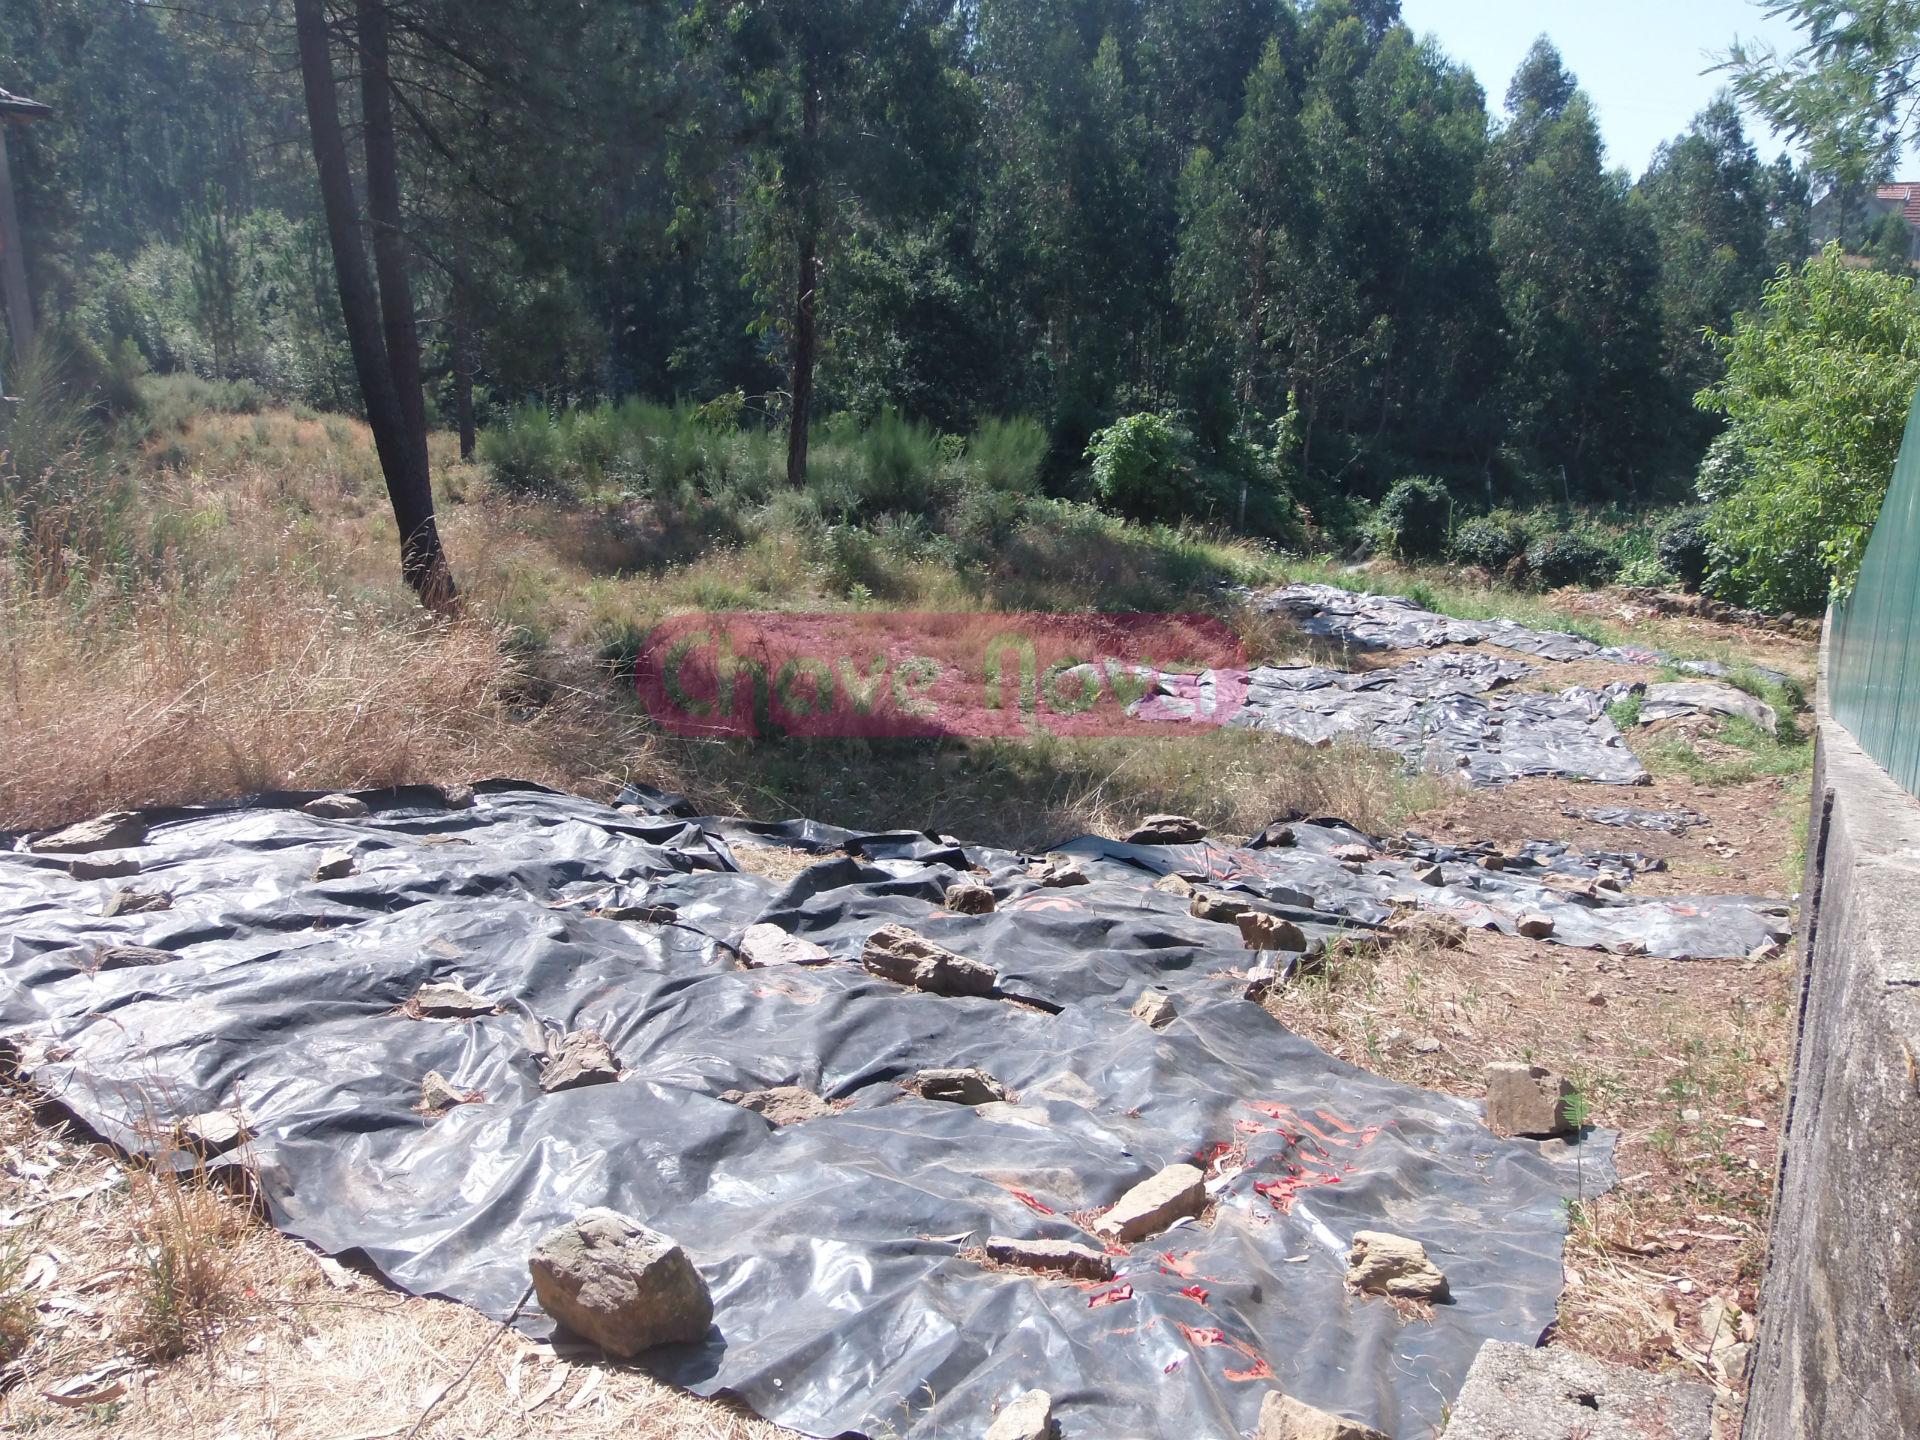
[835, 1248]
[1307, 883]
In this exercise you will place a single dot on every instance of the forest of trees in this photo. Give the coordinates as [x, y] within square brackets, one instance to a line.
[1290, 225]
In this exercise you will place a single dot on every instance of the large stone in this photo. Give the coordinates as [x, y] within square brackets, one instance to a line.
[1284, 1418]
[1174, 885]
[118, 868]
[969, 897]
[334, 865]
[626, 1288]
[1028, 1417]
[1514, 1392]
[583, 1059]
[213, 1133]
[1394, 1266]
[1527, 1100]
[129, 957]
[1353, 854]
[1261, 931]
[1221, 909]
[1151, 1206]
[1533, 926]
[336, 807]
[113, 831]
[447, 1000]
[136, 902]
[960, 1087]
[1058, 872]
[458, 797]
[439, 1094]
[765, 946]
[781, 1105]
[1052, 1257]
[1155, 1009]
[1168, 830]
[895, 953]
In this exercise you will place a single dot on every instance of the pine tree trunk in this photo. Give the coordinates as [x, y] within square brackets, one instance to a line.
[423, 564]
[806, 288]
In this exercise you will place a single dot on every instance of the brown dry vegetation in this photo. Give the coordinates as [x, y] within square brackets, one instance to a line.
[237, 625]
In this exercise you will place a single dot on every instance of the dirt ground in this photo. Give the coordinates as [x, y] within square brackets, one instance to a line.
[136, 1306]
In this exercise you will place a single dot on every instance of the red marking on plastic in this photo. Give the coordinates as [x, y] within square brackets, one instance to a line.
[1203, 1338]
[1181, 1265]
[1196, 1293]
[1119, 1295]
[1031, 1203]
[1171, 1366]
[1259, 1370]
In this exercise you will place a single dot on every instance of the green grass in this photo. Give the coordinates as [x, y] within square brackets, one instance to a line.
[1761, 755]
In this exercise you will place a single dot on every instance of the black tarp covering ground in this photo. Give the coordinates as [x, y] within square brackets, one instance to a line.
[1447, 713]
[833, 1247]
[1540, 878]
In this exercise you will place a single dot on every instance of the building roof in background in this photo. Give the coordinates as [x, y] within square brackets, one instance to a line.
[19, 107]
[1905, 194]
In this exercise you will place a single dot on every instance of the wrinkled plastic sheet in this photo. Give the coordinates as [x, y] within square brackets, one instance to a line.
[1625, 817]
[1442, 714]
[1306, 880]
[1388, 622]
[834, 1248]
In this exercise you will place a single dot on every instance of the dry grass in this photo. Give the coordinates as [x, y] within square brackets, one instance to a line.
[266, 1340]
[189, 1278]
[190, 696]
[1685, 1060]
[235, 625]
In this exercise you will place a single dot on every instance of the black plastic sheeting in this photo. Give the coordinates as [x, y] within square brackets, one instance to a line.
[1389, 622]
[1438, 712]
[1307, 881]
[833, 1247]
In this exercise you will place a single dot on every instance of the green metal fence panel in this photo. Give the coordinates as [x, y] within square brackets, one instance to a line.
[1873, 669]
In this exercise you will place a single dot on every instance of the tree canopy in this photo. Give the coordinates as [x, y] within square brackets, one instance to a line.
[1292, 227]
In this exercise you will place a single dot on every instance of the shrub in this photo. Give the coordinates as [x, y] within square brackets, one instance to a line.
[524, 453]
[1818, 385]
[1570, 558]
[1143, 466]
[899, 461]
[1685, 548]
[1493, 542]
[1007, 455]
[1411, 522]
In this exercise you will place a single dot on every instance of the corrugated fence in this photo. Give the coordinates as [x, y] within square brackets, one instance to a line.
[1873, 668]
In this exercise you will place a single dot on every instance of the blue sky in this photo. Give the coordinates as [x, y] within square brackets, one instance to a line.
[1640, 60]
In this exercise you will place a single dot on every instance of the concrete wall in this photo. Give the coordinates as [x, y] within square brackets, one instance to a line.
[1839, 1347]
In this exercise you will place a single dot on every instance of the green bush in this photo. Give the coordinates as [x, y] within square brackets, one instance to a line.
[1007, 455]
[1142, 466]
[1570, 558]
[1685, 548]
[524, 453]
[1819, 382]
[1412, 520]
[1493, 542]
